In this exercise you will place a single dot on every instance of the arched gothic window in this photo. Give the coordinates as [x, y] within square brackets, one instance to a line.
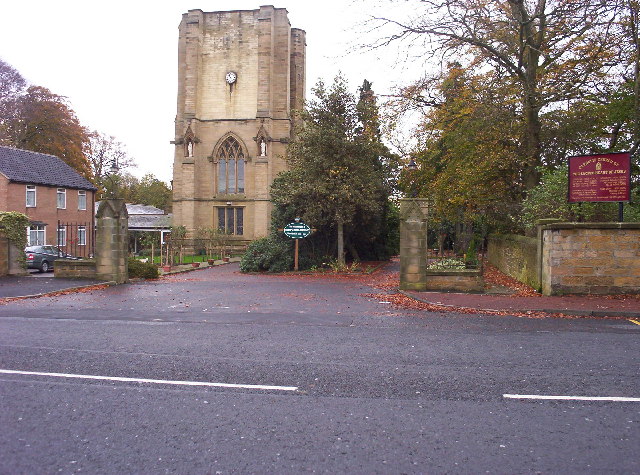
[230, 167]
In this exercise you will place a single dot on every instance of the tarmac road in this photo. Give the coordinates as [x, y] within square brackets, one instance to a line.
[377, 389]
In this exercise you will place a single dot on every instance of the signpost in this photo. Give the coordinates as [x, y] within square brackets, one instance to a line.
[297, 230]
[603, 177]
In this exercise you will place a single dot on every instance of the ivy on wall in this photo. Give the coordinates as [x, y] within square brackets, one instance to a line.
[14, 226]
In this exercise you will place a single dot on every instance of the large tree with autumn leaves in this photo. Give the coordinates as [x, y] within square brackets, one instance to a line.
[522, 85]
[547, 52]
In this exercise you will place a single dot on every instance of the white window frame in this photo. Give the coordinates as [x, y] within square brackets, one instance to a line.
[30, 189]
[83, 194]
[37, 230]
[61, 193]
[61, 232]
[82, 235]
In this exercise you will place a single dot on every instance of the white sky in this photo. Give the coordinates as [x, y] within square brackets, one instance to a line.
[116, 61]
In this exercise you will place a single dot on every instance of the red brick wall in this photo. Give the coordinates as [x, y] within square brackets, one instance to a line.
[13, 198]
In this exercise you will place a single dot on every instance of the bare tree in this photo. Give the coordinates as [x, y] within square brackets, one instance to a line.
[104, 151]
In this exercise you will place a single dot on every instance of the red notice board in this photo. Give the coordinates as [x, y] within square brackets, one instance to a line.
[604, 177]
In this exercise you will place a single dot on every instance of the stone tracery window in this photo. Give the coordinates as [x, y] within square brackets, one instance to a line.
[230, 167]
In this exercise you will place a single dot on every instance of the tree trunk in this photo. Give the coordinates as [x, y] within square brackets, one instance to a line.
[340, 242]
[532, 144]
[353, 251]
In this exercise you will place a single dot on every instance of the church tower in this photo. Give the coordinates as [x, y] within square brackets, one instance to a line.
[240, 75]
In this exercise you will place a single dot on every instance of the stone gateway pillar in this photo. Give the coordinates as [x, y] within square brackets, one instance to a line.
[112, 241]
[413, 244]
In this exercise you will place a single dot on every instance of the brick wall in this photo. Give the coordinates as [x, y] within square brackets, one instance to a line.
[13, 198]
[591, 258]
[516, 256]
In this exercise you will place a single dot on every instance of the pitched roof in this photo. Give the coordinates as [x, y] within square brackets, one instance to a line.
[24, 166]
[149, 222]
[135, 209]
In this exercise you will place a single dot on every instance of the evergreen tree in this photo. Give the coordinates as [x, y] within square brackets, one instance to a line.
[337, 180]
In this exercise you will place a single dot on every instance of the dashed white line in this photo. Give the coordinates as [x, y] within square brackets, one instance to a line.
[572, 398]
[152, 381]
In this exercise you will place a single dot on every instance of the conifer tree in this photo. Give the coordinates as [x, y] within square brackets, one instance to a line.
[335, 176]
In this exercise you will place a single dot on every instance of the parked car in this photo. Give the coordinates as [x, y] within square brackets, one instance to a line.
[43, 257]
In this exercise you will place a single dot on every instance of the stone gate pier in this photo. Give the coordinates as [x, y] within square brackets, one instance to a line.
[112, 241]
[413, 243]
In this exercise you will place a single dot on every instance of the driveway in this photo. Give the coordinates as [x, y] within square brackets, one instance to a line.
[218, 372]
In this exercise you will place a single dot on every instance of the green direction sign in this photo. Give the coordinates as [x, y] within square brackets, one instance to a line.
[297, 230]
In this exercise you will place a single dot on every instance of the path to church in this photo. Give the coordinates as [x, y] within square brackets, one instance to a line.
[345, 383]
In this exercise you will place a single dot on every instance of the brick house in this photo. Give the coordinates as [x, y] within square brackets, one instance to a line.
[57, 199]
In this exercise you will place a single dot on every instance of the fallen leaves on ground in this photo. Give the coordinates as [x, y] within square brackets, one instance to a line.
[494, 278]
[57, 293]
[402, 301]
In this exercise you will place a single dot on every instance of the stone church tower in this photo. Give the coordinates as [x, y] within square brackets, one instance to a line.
[240, 74]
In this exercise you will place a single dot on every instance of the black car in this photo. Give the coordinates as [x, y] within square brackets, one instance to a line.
[43, 257]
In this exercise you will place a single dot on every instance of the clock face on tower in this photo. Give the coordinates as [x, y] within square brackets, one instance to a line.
[231, 77]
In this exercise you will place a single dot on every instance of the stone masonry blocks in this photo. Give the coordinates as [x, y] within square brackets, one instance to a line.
[268, 57]
[591, 258]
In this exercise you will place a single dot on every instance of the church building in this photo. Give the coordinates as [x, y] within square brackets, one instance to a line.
[240, 75]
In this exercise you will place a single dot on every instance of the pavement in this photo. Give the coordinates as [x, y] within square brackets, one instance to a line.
[505, 300]
[627, 306]
[34, 285]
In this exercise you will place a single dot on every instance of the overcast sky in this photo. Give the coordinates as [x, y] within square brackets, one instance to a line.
[116, 61]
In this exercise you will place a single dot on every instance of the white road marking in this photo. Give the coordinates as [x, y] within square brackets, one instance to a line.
[572, 398]
[153, 381]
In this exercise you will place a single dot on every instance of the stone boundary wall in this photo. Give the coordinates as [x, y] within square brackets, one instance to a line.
[4, 256]
[455, 280]
[591, 258]
[9, 254]
[75, 269]
[516, 256]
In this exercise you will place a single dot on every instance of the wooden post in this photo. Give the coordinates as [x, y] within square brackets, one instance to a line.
[295, 256]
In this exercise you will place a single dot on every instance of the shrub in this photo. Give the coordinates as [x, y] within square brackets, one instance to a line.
[267, 254]
[449, 263]
[144, 270]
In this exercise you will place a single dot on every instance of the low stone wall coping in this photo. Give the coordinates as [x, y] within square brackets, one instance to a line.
[78, 262]
[592, 226]
[513, 238]
[455, 272]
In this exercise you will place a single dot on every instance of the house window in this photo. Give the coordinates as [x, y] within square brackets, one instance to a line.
[82, 235]
[231, 220]
[35, 235]
[230, 167]
[62, 236]
[31, 196]
[62, 198]
[82, 200]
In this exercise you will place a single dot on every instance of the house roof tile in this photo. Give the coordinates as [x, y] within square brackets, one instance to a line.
[24, 166]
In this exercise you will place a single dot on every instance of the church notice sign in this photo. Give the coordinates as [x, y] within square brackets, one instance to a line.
[604, 177]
